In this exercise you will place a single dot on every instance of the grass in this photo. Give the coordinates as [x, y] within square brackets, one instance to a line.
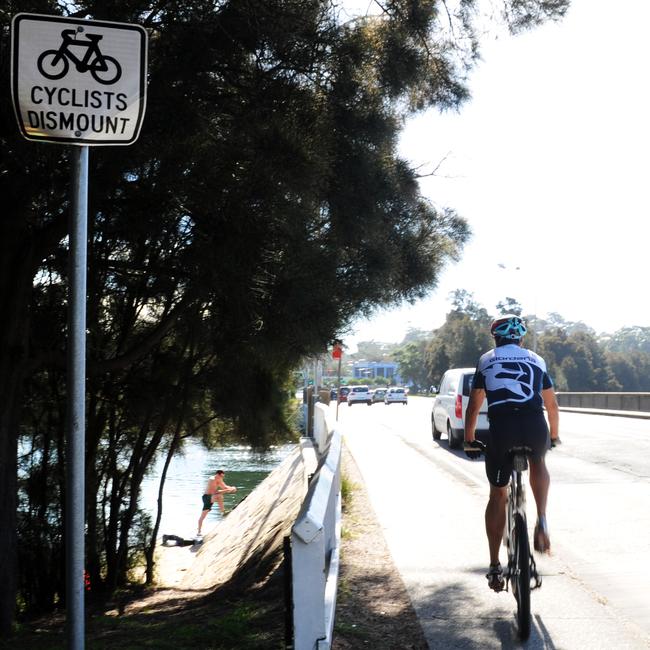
[347, 490]
[351, 630]
[347, 534]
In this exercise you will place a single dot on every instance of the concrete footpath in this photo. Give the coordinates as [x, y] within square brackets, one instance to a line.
[431, 511]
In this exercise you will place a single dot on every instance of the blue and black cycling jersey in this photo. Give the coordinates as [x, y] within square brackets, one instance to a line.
[513, 378]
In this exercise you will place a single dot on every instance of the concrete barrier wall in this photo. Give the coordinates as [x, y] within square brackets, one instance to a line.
[607, 401]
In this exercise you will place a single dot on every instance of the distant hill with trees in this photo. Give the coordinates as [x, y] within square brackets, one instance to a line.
[578, 359]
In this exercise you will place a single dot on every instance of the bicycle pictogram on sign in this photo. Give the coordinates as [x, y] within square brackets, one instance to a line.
[55, 64]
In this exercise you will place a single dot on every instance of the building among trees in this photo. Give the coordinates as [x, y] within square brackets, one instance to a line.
[373, 369]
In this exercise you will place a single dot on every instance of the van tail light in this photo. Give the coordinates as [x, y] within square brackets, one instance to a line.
[459, 406]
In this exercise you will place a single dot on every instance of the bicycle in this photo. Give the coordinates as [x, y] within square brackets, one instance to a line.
[54, 64]
[521, 570]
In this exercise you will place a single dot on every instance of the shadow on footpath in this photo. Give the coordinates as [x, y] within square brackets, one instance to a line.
[453, 617]
[373, 611]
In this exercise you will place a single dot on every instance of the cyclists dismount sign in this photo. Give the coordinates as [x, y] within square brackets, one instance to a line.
[78, 81]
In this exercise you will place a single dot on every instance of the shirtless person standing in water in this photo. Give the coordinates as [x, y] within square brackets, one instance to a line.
[214, 491]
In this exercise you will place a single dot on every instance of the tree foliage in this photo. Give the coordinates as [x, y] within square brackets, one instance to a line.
[577, 359]
[412, 364]
[458, 343]
[629, 339]
[509, 306]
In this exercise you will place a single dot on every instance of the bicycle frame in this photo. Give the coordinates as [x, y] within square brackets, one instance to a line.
[521, 569]
[91, 46]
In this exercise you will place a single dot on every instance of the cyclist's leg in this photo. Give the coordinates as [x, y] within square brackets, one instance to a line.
[495, 520]
[498, 469]
[540, 480]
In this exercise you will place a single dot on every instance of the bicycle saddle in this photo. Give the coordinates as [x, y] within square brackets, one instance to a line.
[519, 457]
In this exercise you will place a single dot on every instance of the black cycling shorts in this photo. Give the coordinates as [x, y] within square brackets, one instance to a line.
[513, 430]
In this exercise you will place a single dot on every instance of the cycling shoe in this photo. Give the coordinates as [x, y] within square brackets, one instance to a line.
[495, 578]
[541, 539]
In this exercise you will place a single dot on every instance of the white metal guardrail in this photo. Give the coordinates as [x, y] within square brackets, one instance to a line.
[315, 546]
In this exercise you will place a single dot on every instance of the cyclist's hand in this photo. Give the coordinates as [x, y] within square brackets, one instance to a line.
[474, 449]
[555, 442]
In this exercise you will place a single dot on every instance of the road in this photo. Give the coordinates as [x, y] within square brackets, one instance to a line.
[430, 502]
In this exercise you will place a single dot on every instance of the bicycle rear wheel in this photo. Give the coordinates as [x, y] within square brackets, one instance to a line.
[52, 64]
[522, 583]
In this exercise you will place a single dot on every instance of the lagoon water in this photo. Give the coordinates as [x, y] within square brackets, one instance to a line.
[188, 474]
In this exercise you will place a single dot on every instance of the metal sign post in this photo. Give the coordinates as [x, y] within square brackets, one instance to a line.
[338, 388]
[75, 428]
[337, 353]
[80, 82]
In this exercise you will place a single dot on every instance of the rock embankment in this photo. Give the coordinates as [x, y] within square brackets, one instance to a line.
[248, 540]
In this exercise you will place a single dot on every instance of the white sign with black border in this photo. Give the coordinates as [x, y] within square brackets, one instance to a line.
[78, 81]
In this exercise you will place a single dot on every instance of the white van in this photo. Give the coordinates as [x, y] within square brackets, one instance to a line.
[450, 404]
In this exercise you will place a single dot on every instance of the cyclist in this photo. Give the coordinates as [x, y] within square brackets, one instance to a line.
[517, 386]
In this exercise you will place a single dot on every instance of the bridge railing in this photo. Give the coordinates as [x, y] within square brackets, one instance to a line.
[315, 547]
[609, 401]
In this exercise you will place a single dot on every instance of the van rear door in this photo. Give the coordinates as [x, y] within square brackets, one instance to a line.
[468, 381]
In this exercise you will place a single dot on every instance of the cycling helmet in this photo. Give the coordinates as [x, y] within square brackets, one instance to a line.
[509, 326]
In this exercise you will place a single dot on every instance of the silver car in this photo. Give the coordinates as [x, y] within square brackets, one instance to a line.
[396, 395]
[450, 405]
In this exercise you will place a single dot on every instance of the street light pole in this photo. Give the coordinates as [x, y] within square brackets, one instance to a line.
[518, 268]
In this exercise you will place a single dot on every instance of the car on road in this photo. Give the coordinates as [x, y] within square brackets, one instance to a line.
[378, 395]
[343, 393]
[396, 395]
[359, 395]
[450, 405]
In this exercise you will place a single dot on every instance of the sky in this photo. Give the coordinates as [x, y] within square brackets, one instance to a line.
[548, 162]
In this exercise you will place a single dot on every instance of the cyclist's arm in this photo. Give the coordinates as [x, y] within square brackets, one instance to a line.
[553, 411]
[476, 397]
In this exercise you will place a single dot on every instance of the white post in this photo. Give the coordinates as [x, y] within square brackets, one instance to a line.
[315, 541]
[308, 589]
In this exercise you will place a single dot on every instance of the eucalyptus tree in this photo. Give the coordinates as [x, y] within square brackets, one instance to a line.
[412, 364]
[262, 209]
[457, 344]
[576, 360]
[629, 339]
